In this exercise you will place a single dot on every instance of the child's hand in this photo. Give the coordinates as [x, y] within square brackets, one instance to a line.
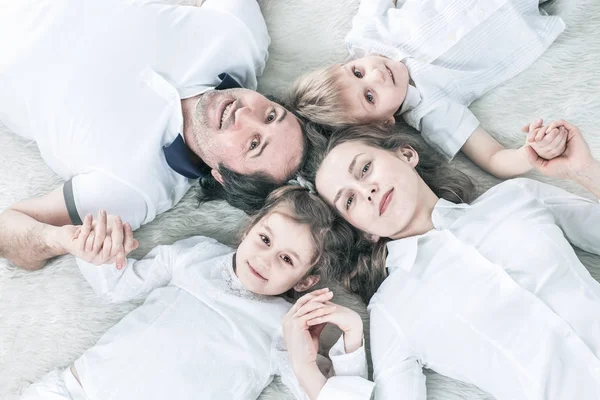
[344, 318]
[548, 141]
[98, 242]
[302, 339]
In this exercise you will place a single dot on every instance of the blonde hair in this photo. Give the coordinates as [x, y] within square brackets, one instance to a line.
[317, 96]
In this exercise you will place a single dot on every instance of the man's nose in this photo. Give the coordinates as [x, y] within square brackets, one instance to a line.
[378, 75]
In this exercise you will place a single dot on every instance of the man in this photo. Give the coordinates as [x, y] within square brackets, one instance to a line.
[128, 102]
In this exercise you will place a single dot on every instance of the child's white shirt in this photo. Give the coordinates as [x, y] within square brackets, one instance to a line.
[495, 296]
[455, 51]
[199, 333]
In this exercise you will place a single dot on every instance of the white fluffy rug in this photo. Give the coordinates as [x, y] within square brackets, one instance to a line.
[49, 317]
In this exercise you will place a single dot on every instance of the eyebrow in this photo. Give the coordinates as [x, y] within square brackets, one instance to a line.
[283, 115]
[272, 234]
[350, 168]
[261, 149]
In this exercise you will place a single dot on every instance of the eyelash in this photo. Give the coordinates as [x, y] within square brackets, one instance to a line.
[369, 97]
[364, 170]
[286, 259]
[254, 143]
[357, 73]
[271, 116]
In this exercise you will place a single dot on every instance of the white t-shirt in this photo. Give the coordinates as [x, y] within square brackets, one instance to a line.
[495, 296]
[455, 52]
[199, 334]
[98, 85]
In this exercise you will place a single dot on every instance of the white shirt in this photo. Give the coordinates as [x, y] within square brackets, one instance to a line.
[200, 334]
[494, 296]
[98, 85]
[455, 52]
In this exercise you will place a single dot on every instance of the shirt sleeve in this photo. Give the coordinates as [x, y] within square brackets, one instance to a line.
[88, 193]
[577, 217]
[447, 127]
[139, 277]
[397, 372]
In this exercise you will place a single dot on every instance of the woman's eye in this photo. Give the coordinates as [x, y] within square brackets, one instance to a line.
[271, 116]
[357, 73]
[349, 201]
[254, 143]
[265, 240]
[287, 259]
[369, 96]
[366, 168]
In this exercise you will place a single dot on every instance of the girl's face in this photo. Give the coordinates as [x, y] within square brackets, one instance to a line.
[375, 87]
[275, 255]
[377, 191]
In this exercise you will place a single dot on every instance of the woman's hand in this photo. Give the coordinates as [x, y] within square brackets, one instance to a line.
[98, 242]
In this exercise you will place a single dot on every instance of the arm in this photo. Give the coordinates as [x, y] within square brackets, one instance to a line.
[396, 371]
[31, 233]
[302, 328]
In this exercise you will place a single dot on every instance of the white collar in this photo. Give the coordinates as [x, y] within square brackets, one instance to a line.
[413, 98]
[233, 285]
[446, 212]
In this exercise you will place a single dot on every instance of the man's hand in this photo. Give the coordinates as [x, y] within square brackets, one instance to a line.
[98, 242]
[574, 160]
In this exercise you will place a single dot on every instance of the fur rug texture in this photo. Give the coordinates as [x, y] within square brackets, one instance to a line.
[49, 317]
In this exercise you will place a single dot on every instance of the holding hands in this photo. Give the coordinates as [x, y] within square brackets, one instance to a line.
[302, 327]
[105, 240]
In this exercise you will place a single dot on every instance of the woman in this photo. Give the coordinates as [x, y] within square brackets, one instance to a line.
[489, 292]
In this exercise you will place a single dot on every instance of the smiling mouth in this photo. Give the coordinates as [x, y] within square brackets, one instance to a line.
[385, 201]
[227, 112]
[255, 273]
[391, 74]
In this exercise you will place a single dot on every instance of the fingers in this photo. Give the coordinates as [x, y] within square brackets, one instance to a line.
[532, 126]
[319, 316]
[100, 230]
[308, 297]
[107, 249]
[309, 307]
[86, 228]
[117, 242]
[129, 243]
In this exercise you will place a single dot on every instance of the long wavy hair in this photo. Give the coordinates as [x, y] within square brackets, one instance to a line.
[445, 181]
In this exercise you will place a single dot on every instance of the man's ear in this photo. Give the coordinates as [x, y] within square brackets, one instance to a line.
[390, 121]
[409, 155]
[217, 175]
[306, 283]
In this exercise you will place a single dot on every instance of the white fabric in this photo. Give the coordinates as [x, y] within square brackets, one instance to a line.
[56, 385]
[455, 51]
[98, 84]
[199, 333]
[494, 296]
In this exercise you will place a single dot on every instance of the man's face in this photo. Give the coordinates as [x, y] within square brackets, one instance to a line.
[247, 133]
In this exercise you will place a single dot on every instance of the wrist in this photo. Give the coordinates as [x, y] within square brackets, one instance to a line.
[353, 341]
[311, 379]
[53, 239]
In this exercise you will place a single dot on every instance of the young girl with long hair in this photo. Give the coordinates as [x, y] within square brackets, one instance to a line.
[210, 327]
[486, 290]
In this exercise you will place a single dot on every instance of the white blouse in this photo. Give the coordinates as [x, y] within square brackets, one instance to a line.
[495, 296]
[455, 51]
[199, 334]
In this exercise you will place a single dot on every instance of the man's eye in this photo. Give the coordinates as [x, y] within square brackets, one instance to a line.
[287, 259]
[271, 116]
[265, 240]
[254, 144]
[357, 73]
[349, 201]
[369, 96]
[366, 168]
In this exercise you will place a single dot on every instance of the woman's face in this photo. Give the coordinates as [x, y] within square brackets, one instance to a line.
[376, 190]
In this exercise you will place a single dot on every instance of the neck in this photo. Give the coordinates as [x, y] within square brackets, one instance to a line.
[421, 221]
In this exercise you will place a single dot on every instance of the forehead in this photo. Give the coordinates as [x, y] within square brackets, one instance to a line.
[288, 233]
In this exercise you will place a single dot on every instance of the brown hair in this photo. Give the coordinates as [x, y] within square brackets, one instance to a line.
[317, 97]
[445, 181]
[334, 239]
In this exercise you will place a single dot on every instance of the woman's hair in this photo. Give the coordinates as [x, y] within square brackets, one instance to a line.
[445, 181]
[334, 240]
[317, 96]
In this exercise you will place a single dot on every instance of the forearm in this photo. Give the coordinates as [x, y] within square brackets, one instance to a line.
[507, 163]
[311, 379]
[26, 242]
[589, 178]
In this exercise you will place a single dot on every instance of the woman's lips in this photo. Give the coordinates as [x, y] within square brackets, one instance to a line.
[385, 200]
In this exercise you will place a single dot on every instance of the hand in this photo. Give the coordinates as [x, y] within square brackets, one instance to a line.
[98, 244]
[547, 142]
[574, 160]
[301, 339]
[344, 318]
